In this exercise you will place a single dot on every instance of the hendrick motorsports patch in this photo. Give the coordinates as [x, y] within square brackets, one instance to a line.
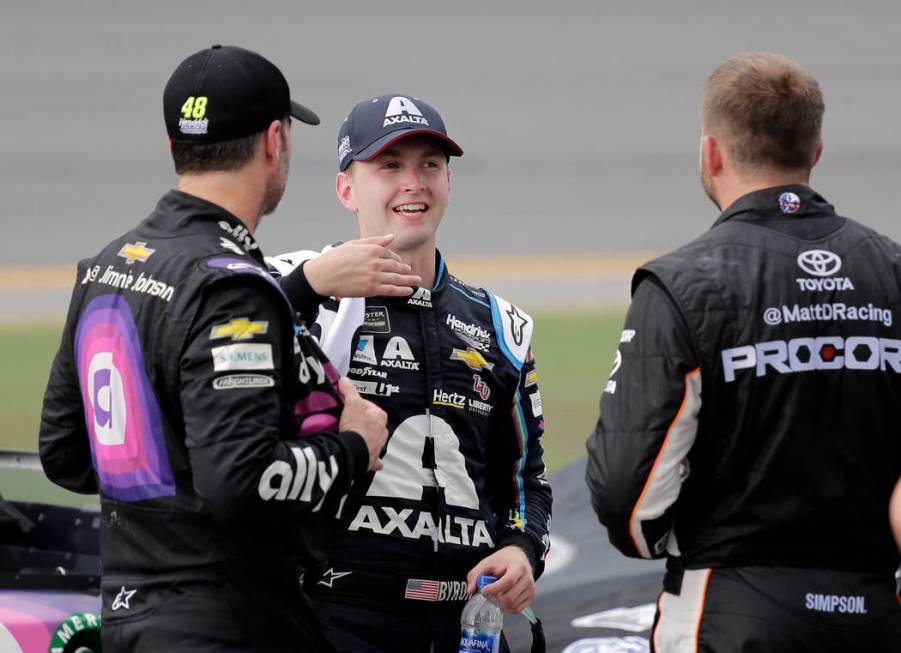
[609, 645]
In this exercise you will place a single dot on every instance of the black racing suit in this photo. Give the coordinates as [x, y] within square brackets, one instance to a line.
[463, 470]
[750, 426]
[182, 394]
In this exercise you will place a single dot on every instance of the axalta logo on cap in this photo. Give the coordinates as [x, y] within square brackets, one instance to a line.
[401, 110]
[789, 203]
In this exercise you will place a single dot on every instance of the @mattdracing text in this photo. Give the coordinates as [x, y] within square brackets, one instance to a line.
[828, 312]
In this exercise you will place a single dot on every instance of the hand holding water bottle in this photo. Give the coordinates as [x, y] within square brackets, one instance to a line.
[515, 587]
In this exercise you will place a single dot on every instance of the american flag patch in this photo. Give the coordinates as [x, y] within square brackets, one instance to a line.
[422, 590]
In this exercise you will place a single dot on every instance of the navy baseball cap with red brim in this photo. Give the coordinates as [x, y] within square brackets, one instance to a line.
[375, 124]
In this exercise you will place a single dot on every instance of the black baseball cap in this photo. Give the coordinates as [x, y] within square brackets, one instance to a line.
[373, 125]
[227, 92]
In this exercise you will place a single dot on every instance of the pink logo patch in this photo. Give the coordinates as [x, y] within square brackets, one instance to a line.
[121, 412]
[315, 406]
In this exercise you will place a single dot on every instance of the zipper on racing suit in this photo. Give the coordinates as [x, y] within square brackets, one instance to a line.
[429, 451]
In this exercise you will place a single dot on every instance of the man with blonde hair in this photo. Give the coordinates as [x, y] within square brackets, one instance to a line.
[748, 431]
[463, 492]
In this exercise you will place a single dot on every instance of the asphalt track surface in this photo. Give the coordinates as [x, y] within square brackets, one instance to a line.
[585, 575]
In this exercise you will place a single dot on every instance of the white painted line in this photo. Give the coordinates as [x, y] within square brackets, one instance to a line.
[561, 555]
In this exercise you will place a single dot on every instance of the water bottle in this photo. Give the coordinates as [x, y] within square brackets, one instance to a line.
[481, 622]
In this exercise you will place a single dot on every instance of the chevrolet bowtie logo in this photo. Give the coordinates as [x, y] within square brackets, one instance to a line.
[472, 358]
[240, 328]
[138, 251]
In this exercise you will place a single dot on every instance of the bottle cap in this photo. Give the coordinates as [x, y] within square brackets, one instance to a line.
[482, 581]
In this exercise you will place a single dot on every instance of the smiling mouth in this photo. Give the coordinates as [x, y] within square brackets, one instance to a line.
[412, 209]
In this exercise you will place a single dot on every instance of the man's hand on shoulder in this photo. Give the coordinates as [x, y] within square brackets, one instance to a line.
[515, 586]
[361, 268]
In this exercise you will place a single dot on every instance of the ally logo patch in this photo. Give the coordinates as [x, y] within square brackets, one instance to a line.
[121, 411]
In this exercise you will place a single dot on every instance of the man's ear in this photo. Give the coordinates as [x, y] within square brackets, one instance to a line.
[817, 154]
[450, 186]
[345, 192]
[711, 154]
[272, 141]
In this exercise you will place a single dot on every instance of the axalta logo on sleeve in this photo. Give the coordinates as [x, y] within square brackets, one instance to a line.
[812, 354]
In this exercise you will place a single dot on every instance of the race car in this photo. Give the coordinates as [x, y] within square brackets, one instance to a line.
[49, 563]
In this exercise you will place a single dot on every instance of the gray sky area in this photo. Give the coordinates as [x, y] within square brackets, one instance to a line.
[579, 118]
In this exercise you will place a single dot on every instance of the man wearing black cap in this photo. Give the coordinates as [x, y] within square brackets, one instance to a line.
[463, 491]
[211, 425]
[749, 428]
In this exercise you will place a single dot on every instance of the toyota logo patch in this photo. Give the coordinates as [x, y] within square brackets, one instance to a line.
[819, 262]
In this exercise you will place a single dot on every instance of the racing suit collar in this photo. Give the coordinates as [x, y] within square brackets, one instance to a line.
[785, 202]
[183, 211]
[422, 297]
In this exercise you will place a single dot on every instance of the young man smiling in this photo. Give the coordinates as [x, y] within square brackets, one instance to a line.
[463, 491]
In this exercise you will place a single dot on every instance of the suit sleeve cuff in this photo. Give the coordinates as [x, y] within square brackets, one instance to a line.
[527, 544]
[359, 453]
[299, 290]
